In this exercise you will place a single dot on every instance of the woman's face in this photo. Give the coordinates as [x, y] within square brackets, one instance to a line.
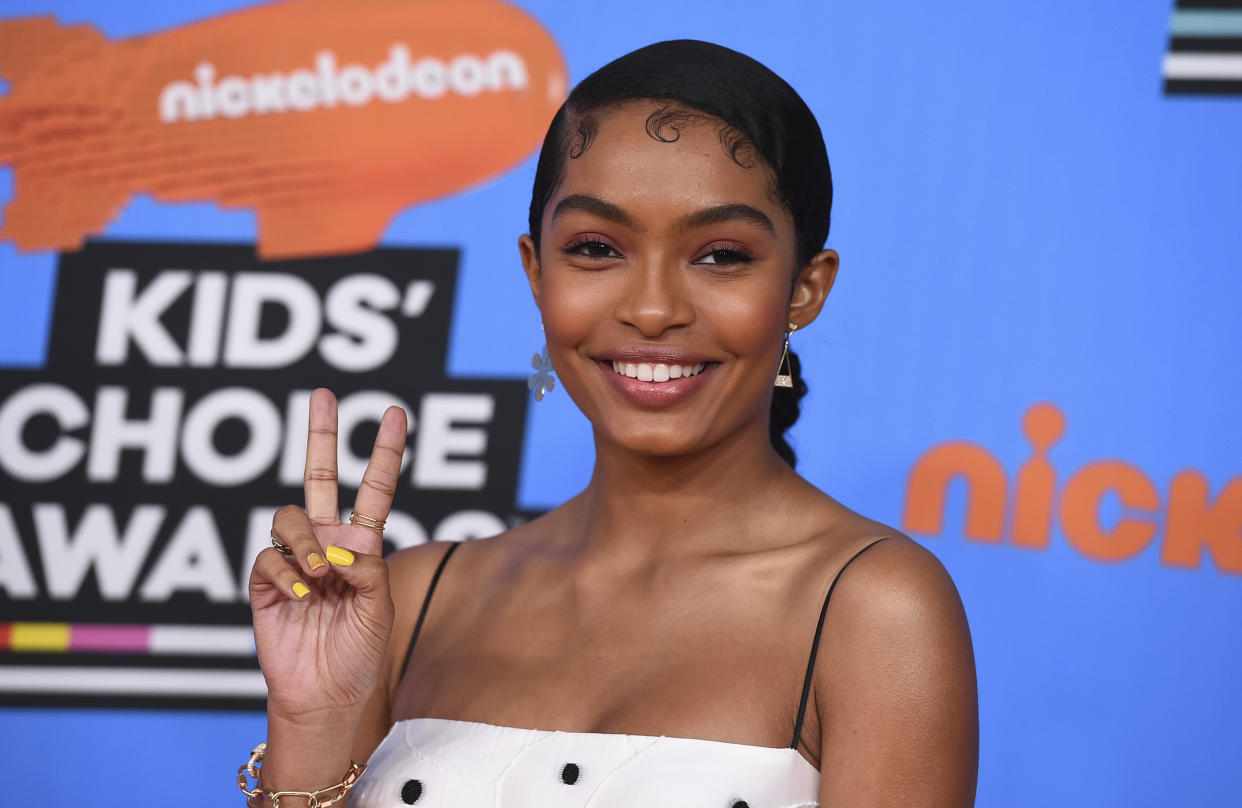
[664, 280]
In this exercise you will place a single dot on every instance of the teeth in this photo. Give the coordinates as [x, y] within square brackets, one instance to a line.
[647, 372]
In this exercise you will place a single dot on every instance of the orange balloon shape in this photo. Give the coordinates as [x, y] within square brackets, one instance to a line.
[326, 118]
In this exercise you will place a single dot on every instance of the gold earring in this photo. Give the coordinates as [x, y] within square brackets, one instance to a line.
[785, 379]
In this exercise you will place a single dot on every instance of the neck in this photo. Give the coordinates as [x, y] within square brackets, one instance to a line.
[641, 508]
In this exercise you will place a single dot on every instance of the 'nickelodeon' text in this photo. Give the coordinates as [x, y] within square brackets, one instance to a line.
[328, 85]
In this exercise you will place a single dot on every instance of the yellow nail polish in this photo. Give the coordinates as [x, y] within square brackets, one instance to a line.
[339, 555]
[316, 561]
[301, 590]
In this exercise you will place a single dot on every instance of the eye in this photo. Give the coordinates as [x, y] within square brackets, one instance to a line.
[725, 255]
[591, 247]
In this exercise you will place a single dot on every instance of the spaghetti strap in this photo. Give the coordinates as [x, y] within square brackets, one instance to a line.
[422, 613]
[810, 665]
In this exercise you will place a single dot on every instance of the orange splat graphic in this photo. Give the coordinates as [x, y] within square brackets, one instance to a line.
[325, 118]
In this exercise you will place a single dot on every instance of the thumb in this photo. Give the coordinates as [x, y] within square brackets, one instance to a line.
[367, 574]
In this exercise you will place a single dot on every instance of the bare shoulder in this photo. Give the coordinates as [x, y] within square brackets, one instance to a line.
[895, 691]
[894, 602]
[410, 570]
[878, 569]
[896, 579]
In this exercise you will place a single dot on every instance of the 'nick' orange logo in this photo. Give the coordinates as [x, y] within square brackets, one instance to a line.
[326, 118]
[1193, 522]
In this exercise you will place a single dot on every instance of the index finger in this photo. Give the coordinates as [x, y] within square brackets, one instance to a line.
[379, 481]
[319, 479]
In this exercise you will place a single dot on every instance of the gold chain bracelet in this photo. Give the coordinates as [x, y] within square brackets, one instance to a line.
[314, 799]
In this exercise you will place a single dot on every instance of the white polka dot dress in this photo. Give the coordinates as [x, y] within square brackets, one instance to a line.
[442, 763]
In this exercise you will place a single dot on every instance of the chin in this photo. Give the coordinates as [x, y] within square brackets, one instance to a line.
[654, 442]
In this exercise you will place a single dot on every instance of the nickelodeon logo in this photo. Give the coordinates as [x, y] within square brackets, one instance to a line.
[353, 85]
[1194, 524]
[324, 118]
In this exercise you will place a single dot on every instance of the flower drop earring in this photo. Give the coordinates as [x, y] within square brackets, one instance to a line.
[784, 371]
[541, 381]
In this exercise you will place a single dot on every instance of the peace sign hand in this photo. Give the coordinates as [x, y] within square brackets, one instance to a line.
[323, 614]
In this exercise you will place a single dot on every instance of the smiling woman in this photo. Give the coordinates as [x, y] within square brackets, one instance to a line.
[664, 638]
[668, 250]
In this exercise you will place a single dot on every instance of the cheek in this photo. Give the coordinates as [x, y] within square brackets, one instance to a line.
[748, 322]
[572, 303]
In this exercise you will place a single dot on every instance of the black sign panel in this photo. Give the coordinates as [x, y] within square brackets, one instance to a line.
[139, 469]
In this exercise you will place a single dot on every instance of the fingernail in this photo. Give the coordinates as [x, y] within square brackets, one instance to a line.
[316, 561]
[301, 590]
[339, 556]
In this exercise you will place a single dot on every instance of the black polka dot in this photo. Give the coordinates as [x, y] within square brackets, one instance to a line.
[741, 804]
[411, 791]
[569, 774]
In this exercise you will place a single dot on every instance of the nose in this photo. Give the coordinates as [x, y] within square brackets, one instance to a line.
[654, 298]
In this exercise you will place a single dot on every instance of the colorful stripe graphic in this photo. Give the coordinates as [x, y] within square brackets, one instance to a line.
[87, 638]
[133, 681]
[140, 640]
[1205, 49]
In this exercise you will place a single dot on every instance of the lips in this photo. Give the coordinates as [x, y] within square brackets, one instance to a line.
[655, 377]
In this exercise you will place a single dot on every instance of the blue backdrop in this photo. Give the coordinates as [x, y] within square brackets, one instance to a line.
[1023, 215]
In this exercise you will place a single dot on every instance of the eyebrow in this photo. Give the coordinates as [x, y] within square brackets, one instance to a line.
[732, 212]
[595, 207]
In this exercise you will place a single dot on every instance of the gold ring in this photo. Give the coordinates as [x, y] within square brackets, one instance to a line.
[281, 546]
[361, 520]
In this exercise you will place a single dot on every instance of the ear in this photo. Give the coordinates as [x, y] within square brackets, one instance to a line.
[812, 286]
[530, 263]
